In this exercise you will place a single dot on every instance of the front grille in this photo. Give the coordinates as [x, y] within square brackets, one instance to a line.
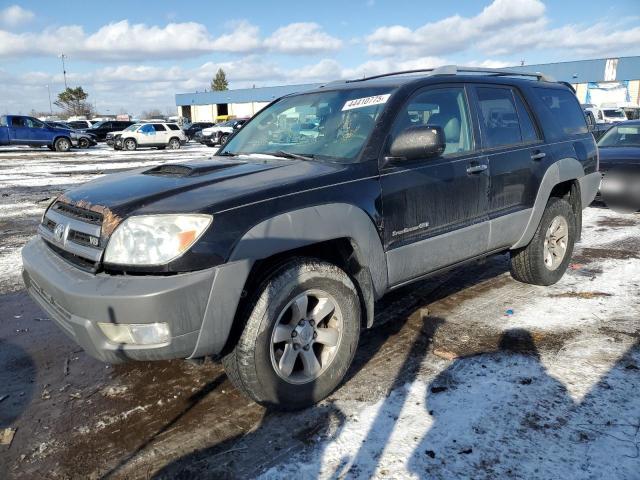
[74, 234]
[78, 213]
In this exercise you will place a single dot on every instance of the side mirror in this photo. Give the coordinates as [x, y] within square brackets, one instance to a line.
[418, 142]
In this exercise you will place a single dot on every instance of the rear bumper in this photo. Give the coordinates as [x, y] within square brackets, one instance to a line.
[589, 186]
[198, 306]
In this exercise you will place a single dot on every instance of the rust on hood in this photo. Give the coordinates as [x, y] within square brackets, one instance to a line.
[109, 219]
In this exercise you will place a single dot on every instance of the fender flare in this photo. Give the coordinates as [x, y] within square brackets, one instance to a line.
[310, 225]
[561, 171]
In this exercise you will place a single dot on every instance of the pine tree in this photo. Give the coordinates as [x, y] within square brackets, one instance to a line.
[220, 82]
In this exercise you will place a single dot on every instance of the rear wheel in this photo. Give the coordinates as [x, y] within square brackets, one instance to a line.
[299, 338]
[129, 144]
[545, 259]
[174, 143]
[223, 138]
[62, 145]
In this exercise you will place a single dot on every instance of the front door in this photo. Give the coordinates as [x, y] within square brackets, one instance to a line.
[147, 135]
[39, 133]
[435, 209]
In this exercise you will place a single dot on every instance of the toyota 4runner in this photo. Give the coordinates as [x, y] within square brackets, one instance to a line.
[272, 254]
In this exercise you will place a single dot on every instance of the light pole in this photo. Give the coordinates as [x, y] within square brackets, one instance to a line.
[50, 107]
[64, 70]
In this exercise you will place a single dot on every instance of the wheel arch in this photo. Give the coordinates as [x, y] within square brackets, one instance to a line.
[561, 179]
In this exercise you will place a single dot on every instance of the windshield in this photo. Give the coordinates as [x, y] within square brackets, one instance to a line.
[131, 128]
[621, 136]
[98, 124]
[614, 114]
[331, 125]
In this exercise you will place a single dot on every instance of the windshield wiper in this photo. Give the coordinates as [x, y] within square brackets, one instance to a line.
[227, 154]
[293, 156]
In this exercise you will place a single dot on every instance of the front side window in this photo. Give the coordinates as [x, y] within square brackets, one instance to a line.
[443, 107]
[499, 117]
[345, 119]
[148, 128]
[3, 121]
[33, 123]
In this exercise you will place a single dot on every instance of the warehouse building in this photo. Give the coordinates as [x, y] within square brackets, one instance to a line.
[600, 81]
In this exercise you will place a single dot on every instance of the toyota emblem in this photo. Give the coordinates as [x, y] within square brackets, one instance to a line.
[58, 233]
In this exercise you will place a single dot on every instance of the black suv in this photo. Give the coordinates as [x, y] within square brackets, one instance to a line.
[272, 254]
[100, 129]
[197, 127]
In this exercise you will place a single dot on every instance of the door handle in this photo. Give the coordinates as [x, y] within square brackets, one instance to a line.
[538, 155]
[477, 168]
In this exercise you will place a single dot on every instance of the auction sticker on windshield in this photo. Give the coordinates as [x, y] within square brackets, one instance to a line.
[366, 101]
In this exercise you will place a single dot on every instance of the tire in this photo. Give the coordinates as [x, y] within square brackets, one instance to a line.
[83, 143]
[538, 265]
[129, 144]
[174, 143]
[254, 364]
[62, 144]
[223, 139]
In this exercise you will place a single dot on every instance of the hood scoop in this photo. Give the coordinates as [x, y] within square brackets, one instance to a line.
[181, 170]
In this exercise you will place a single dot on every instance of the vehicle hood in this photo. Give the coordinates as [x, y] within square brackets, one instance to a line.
[619, 156]
[119, 132]
[205, 186]
[211, 130]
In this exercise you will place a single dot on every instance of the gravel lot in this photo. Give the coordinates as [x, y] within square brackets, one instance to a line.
[466, 375]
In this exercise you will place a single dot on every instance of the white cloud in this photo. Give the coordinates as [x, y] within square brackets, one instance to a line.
[504, 27]
[125, 41]
[302, 38]
[14, 16]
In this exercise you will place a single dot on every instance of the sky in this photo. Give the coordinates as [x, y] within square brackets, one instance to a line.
[135, 56]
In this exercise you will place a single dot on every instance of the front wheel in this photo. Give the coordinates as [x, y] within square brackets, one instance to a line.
[300, 336]
[545, 259]
[174, 144]
[84, 143]
[129, 144]
[62, 145]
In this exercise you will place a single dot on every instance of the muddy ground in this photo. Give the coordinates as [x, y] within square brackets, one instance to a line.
[78, 418]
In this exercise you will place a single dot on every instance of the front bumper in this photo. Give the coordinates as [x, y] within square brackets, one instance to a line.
[198, 306]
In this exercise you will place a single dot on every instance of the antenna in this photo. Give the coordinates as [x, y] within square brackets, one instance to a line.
[64, 70]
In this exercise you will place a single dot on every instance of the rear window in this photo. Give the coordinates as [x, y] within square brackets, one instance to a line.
[564, 109]
[3, 121]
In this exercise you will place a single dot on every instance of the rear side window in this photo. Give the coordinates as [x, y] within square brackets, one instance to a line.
[564, 108]
[158, 127]
[18, 122]
[173, 126]
[3, 121]
[499, 116]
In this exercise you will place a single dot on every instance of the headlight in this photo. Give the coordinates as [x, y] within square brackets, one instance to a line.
[154, 239]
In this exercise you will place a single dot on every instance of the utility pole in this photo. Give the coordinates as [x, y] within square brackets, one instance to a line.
[64, 70]
[50, 107]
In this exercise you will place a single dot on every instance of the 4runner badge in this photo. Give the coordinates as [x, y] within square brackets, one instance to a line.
[423, 225]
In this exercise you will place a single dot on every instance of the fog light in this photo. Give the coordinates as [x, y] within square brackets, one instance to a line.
[136, 334]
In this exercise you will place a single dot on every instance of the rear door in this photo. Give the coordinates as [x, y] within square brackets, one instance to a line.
[162, 135]
[435, 209]
[19, 131]
[517, 158]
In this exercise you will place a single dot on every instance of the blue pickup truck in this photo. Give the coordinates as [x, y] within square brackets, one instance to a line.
[22, 130]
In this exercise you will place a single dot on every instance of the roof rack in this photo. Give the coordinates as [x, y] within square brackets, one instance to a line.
[455, 70]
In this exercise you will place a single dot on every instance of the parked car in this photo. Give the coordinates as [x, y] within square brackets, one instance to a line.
[84, 140]
[598, 129]
[218, 134]
[141, 135]
[271, 256]
[619, 152]
[23, 130]
[607, 115]
[82, 124]
[100, 129]
[196, 127]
